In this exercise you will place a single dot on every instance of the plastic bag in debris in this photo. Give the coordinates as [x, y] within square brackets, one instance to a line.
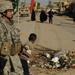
[41, 63]
[56, 62]
[48, 55]
[61, 53]
[55, 59]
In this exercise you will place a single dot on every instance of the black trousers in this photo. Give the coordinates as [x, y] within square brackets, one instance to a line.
[25, 66]
[1, 72]
[50, 20]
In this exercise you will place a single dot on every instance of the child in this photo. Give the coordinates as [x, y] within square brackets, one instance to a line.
[26, 52]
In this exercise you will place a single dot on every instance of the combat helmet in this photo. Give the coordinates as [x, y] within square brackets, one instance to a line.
[5, 5]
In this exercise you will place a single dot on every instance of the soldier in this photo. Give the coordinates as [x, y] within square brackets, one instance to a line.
[9, 42]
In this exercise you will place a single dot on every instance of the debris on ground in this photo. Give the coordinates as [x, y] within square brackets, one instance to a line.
[54, 59]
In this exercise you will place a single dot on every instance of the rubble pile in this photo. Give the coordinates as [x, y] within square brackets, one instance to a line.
[54, 60]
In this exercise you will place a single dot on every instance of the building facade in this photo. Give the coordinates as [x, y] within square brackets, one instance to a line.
[61, 3]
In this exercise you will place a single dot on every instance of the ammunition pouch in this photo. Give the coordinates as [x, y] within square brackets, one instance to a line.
[2, 63]
[5, 48]
[16, 48]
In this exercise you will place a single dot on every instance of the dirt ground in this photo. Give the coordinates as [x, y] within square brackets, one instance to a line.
[44, 71]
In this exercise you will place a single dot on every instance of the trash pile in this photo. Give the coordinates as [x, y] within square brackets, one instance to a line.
[54, 60]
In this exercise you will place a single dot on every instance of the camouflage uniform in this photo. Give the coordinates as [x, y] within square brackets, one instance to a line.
[9, 34]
